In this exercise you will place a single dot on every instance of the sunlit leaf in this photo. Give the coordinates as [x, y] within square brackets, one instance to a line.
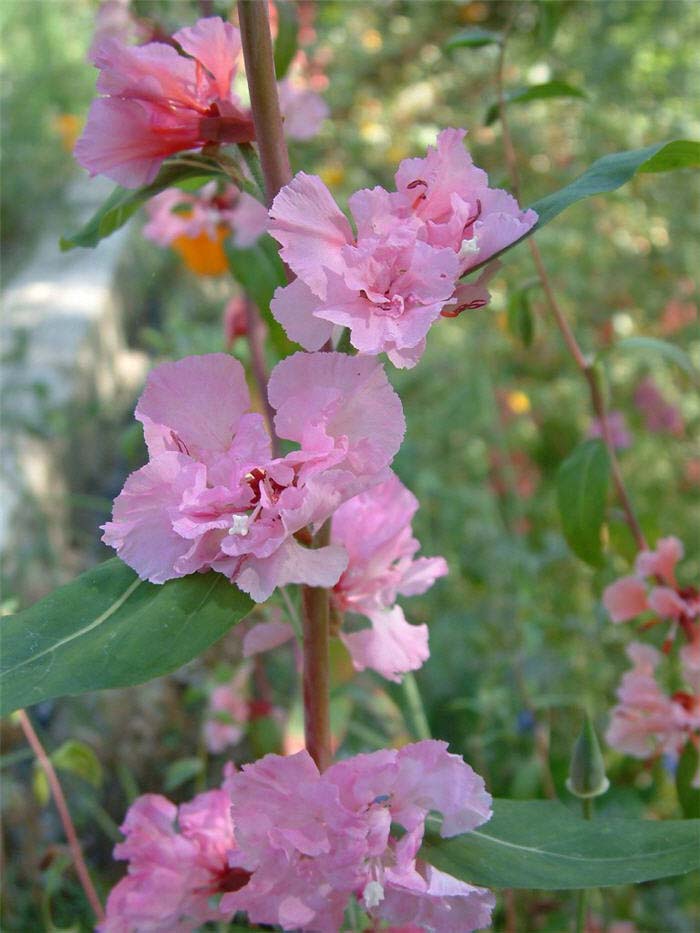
[544, 91]
[78, 758]
[582, 486]
[540, 844]
[108, 628]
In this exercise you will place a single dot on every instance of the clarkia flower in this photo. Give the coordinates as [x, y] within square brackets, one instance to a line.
[212, 496]
[389, 281]
[228, 711]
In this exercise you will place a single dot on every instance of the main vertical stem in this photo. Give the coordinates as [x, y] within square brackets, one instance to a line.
[264, 101]
[316, 676]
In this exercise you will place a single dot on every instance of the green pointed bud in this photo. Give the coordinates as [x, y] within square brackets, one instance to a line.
[587, 770]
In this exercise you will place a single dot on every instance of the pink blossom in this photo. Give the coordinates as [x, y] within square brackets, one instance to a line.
[303, 110]
[178, 861]
[227, 712]
[115, 20]
[392, 280]
[659, 415]
[213, 497]
[662, 561]
[157, 102]
[375, 530]
[310, 841]
[175, 213]
[617, 428]
[625, 599]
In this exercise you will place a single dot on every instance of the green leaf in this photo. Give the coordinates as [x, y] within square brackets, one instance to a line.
[544, 91]
[686, 773]
[108, 629]
[582, 486]
[124, 202]
[474, 39]
[681, 153]
[655, 347]
[540, 844]
[521, 322]
[78, 758]
[259, 271]
[181, 771]
[286, 43]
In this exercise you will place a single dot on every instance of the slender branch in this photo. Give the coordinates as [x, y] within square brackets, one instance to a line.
[316, 677]
[255, 329]
[264, 101]
[583, 363]
[63, 811]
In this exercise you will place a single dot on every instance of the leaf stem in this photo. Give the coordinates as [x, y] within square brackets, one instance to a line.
[264, 101]
[63, 812]
[582, 362]
[316, 674]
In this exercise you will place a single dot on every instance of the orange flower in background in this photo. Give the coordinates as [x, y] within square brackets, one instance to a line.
[202, 254]
[67, 126]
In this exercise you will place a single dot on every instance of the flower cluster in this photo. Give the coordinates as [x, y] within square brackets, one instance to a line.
[393, 278]
[212, 496]
[157, 102]
[290, 846]
[648, 721]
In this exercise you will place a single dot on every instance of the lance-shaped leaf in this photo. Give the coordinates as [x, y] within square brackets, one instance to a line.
[108, 628]
[540, 844]
[653, 347]
[124, 202]
[474, 38]
[582, 486]
[524, 95]
[287, 41]
[687, 785]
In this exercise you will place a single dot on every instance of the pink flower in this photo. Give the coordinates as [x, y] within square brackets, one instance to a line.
[311, 841]
[375, 530]
[227, 712]
[212, 496]
[157, 102]
[617, 428]
[303, 110]
[392, 280]
[175, 213]
[625, 599]
[659, 415]
[178, 861]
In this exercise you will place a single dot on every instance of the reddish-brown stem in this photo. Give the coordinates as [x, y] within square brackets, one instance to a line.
[264, 100]
[255, 329]
[316, 675]
[63, 811]
[582, 362]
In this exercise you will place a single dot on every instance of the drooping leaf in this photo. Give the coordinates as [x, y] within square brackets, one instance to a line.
[582, 486]
[108, 629]
[474, 38]
[79, 759]
[540, 844]
[124, 202]
[653, 347]
[686, 781]
[259, 271]
[544, 91]
[286, 43]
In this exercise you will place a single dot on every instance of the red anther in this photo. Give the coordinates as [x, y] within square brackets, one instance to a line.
[473, 219]
[414, 184]
[179, 443]
[686, 700]
[233, 879]
[257, 709]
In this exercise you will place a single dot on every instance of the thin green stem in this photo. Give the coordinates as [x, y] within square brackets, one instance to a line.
[582, 900]
[421, 727]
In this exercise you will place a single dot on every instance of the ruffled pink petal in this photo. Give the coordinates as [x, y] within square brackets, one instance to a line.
[661, 561]
[265, 636]
[391, 646]
[625, 598]
[217, 45]
[248, 219]
[193, 405]
[311, 229]
[290, 563]
[141, 530]
[421, 575]
[293, 306]
[154, 71]
[666, 603]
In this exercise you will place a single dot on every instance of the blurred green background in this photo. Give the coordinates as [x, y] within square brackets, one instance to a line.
[519, 640]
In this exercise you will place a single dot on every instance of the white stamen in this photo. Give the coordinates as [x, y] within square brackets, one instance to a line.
[468, 248]
[239, 525]
[373, 894]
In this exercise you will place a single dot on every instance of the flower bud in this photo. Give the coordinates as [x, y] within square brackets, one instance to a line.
[587, 770]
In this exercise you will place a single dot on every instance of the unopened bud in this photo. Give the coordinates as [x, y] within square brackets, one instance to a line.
[587, 770]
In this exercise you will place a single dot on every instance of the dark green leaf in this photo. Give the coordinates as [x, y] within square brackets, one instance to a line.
[181, 771]
[521, 322]
[259, 270]
[286, 43]
[124, 202]
[108, 628]
[524, 95]
[474, 38]
[687, 773]
[654, 347]
[582, 485]
[540, 844]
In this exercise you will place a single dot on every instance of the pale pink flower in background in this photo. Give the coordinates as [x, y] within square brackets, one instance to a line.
[375, 530]
[235, 320]
[115, 20]
[660, 416]
[392, 280]
[175, 213]
[227, 712]
[212, 496]
[312, 840]
[303, 110]
[178, 862]
[617, 428]
[157, 102]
